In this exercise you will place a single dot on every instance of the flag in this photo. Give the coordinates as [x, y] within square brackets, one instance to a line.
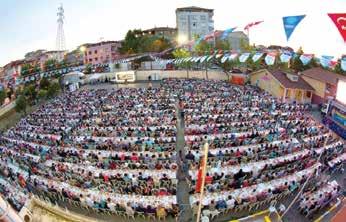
[343, 64]
[285, 56]
[203, 58]
[243, 57]
[248, 26]
[227, 32]
[339, 20]
[218, 56]
[210, 57]
[326, 61]
[224, 58]
[290, 23]
[232, 56]
[257, 56]
[199, 177]
[306, 58]
[270, 58]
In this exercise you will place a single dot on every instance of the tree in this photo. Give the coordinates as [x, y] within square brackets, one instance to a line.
[222, 45]
[50, 64]
[131, 42]
[2, 96]
[53, 90]
[21, 104]
[203, 47]
[42, 94]
[30, 93]
[44, 83]
[245, 46]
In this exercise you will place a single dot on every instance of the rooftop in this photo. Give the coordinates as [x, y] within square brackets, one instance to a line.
[287, 83]
[323, 75]
[193, 9]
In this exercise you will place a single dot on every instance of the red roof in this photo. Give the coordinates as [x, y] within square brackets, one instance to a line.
[323, 75]
[287, 83]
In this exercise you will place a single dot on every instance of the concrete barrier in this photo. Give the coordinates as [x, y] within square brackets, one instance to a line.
[200, 74]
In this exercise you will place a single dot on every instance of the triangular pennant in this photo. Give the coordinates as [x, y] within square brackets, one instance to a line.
[227, 32]
[232, 56]
[306, 58]
[285, 57]
[339, 20]
[243, 57]
[270, 59]
[325, 61]
[257, 56]
[224, 58]
[290, 23]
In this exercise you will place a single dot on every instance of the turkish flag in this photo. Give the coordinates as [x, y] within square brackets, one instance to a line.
[339, 20]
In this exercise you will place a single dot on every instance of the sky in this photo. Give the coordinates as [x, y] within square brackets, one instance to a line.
[28, 25]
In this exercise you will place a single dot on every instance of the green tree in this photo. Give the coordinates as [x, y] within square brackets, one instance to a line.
[222, 45]
[42, 94]
[50, 64]
[53, 90]
[30, 93]
[132, 42]
[44, 83]
[245, 46]
[203, 47]
[21, 104]
[3, 96]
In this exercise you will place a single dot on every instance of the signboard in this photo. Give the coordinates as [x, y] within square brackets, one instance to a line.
[127, 76]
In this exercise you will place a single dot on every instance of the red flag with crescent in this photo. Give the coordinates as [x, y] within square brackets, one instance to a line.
[339, 20]
[252, 24]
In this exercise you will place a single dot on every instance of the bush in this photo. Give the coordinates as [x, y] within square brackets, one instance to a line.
[21, 104]
[44, 83]
[53, 90]
[2, 96]
[42, 94]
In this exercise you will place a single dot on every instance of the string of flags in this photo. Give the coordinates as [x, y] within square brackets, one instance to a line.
[270, 58]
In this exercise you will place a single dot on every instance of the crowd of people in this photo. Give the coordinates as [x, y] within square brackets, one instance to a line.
[115, 149]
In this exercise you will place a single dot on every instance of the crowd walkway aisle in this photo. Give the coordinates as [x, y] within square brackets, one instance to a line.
[183, 196]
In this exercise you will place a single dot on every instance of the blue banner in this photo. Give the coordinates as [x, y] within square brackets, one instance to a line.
[343, 64]
[257, 56]
[244, 57]
[325, 61]
[285, 57]
[290, 23]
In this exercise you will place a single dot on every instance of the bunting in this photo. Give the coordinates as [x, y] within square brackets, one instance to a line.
[306, 58]
[224, 58]
[270, 58]
[290, 23]
[257, 56]
[339, 20]
[232, 56]
[243, 57]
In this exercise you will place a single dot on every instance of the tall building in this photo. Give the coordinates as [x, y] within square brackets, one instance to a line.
[101, 52]
[192, 21]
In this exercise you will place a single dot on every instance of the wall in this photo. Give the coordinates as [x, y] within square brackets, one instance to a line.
[320, 87]
[217, 75]
[268, 83]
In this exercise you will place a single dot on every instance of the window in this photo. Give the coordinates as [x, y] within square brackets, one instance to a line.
[203, 17]
[89, 52]
[95, 51]
[194, 24]
[96, 59]
[90, 60]
[182, 17]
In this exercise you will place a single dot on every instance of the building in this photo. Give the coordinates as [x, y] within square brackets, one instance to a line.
[324, 82]
[34, 55]
[165, 32]
[75, 57]
[287, 87]
[192, 21]
[10, 72]
[236, 39]
[101, 52]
